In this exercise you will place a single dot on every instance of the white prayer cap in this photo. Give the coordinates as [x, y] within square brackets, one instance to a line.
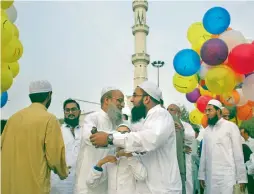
[216, 103]
[108, 89]
[40, 86]
[151, 89]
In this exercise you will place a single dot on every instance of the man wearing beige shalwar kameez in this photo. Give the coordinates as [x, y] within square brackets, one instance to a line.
[32, 146]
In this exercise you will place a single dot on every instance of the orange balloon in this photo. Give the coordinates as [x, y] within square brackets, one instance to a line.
[244, 112]
[204, 121]
[231, 99]
[251, 103]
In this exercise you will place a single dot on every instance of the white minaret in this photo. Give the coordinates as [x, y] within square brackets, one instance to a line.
[140, 30]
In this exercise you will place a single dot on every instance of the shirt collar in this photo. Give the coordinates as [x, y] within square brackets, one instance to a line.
[153, 110]
[68, 126]
[103, 113]
[38, 105]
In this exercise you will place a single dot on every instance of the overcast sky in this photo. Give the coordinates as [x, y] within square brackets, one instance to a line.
[83, 46]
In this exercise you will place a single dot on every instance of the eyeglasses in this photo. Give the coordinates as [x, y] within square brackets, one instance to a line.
[120, 100]
[68, 110]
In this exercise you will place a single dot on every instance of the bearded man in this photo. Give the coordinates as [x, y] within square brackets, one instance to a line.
[222, 162]
[107, 119]
[155, 140]
[71, 136]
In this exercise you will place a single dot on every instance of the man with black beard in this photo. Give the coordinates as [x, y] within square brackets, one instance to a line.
[222, 162]
[71, 135]
[32, 145]
[155, 139]
[106, 119]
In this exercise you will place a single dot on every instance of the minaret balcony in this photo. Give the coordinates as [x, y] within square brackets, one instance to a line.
[137, 4]
[141, 57]
[140, 28]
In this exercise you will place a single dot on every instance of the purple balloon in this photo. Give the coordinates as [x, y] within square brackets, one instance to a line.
[214, 51]
[193, 96]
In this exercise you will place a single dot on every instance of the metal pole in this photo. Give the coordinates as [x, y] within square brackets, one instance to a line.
[158, 77]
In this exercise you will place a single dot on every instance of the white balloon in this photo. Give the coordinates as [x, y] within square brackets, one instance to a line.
[249, 41]
[12, 13]
[232, 38]
[248, 87]
[204, 68]
[243, 100]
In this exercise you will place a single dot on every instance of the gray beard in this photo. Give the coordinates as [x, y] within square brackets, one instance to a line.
[115, 115]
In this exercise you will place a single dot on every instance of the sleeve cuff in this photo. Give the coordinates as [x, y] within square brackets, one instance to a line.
[118, 139]
[97, 170]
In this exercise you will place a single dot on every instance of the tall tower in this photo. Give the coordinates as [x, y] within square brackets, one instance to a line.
[140, 30]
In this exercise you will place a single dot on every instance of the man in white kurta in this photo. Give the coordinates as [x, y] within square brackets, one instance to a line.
[71, 136]
[189, 137]
[222, 162]
[156, 138]
[106, 119]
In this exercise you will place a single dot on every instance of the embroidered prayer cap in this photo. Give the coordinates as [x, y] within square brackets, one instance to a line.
[40, 86]
[152, 90]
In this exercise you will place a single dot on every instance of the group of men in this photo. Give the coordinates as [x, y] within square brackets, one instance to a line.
[106, 155]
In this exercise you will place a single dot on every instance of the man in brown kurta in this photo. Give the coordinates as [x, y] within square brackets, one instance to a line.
[32, 146]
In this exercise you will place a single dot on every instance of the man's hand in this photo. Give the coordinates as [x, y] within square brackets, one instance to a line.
[242, 187]
[202, 183]
[187, 149]
[99, 139]
[122, 153]
[178, 126]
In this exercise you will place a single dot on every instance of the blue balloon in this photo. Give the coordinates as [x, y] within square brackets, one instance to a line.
[186, 62]
[216, 20]
[4, 99]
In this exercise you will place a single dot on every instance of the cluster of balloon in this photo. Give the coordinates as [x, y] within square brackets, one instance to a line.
[219, 65]
[11, 48]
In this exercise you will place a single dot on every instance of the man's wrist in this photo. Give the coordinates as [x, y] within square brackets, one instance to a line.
[110, 139]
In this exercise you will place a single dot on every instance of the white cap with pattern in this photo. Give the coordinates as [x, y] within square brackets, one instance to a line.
[40, 86]
[152, 90]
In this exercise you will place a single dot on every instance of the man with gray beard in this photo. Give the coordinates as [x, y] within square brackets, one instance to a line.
[107, 119]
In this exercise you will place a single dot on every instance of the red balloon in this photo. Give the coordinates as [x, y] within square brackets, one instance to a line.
[202, 103]
[241, 58]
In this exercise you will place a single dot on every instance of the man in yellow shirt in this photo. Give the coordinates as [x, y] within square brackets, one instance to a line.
[32, 145]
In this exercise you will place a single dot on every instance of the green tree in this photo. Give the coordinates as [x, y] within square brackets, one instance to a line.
[249, 124]
[185, 118]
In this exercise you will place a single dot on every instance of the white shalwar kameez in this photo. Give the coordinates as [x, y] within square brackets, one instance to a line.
[121, 177]
[158, 139]
[89, 155]
[222, 162]
[72, 145]
[189, 137]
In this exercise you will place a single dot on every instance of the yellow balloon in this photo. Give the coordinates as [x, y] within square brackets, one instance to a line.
[5, 4]
[6, 79]
[197, 45]
[197, 31]
[15, 31]
[13, 51]
[196, 116]
[14, 68]
[234, 121]
[204, 92]
[6, 31]
[185, 84]
[220, 80]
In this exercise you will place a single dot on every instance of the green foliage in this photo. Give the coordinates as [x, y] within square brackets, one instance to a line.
[249, 124]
